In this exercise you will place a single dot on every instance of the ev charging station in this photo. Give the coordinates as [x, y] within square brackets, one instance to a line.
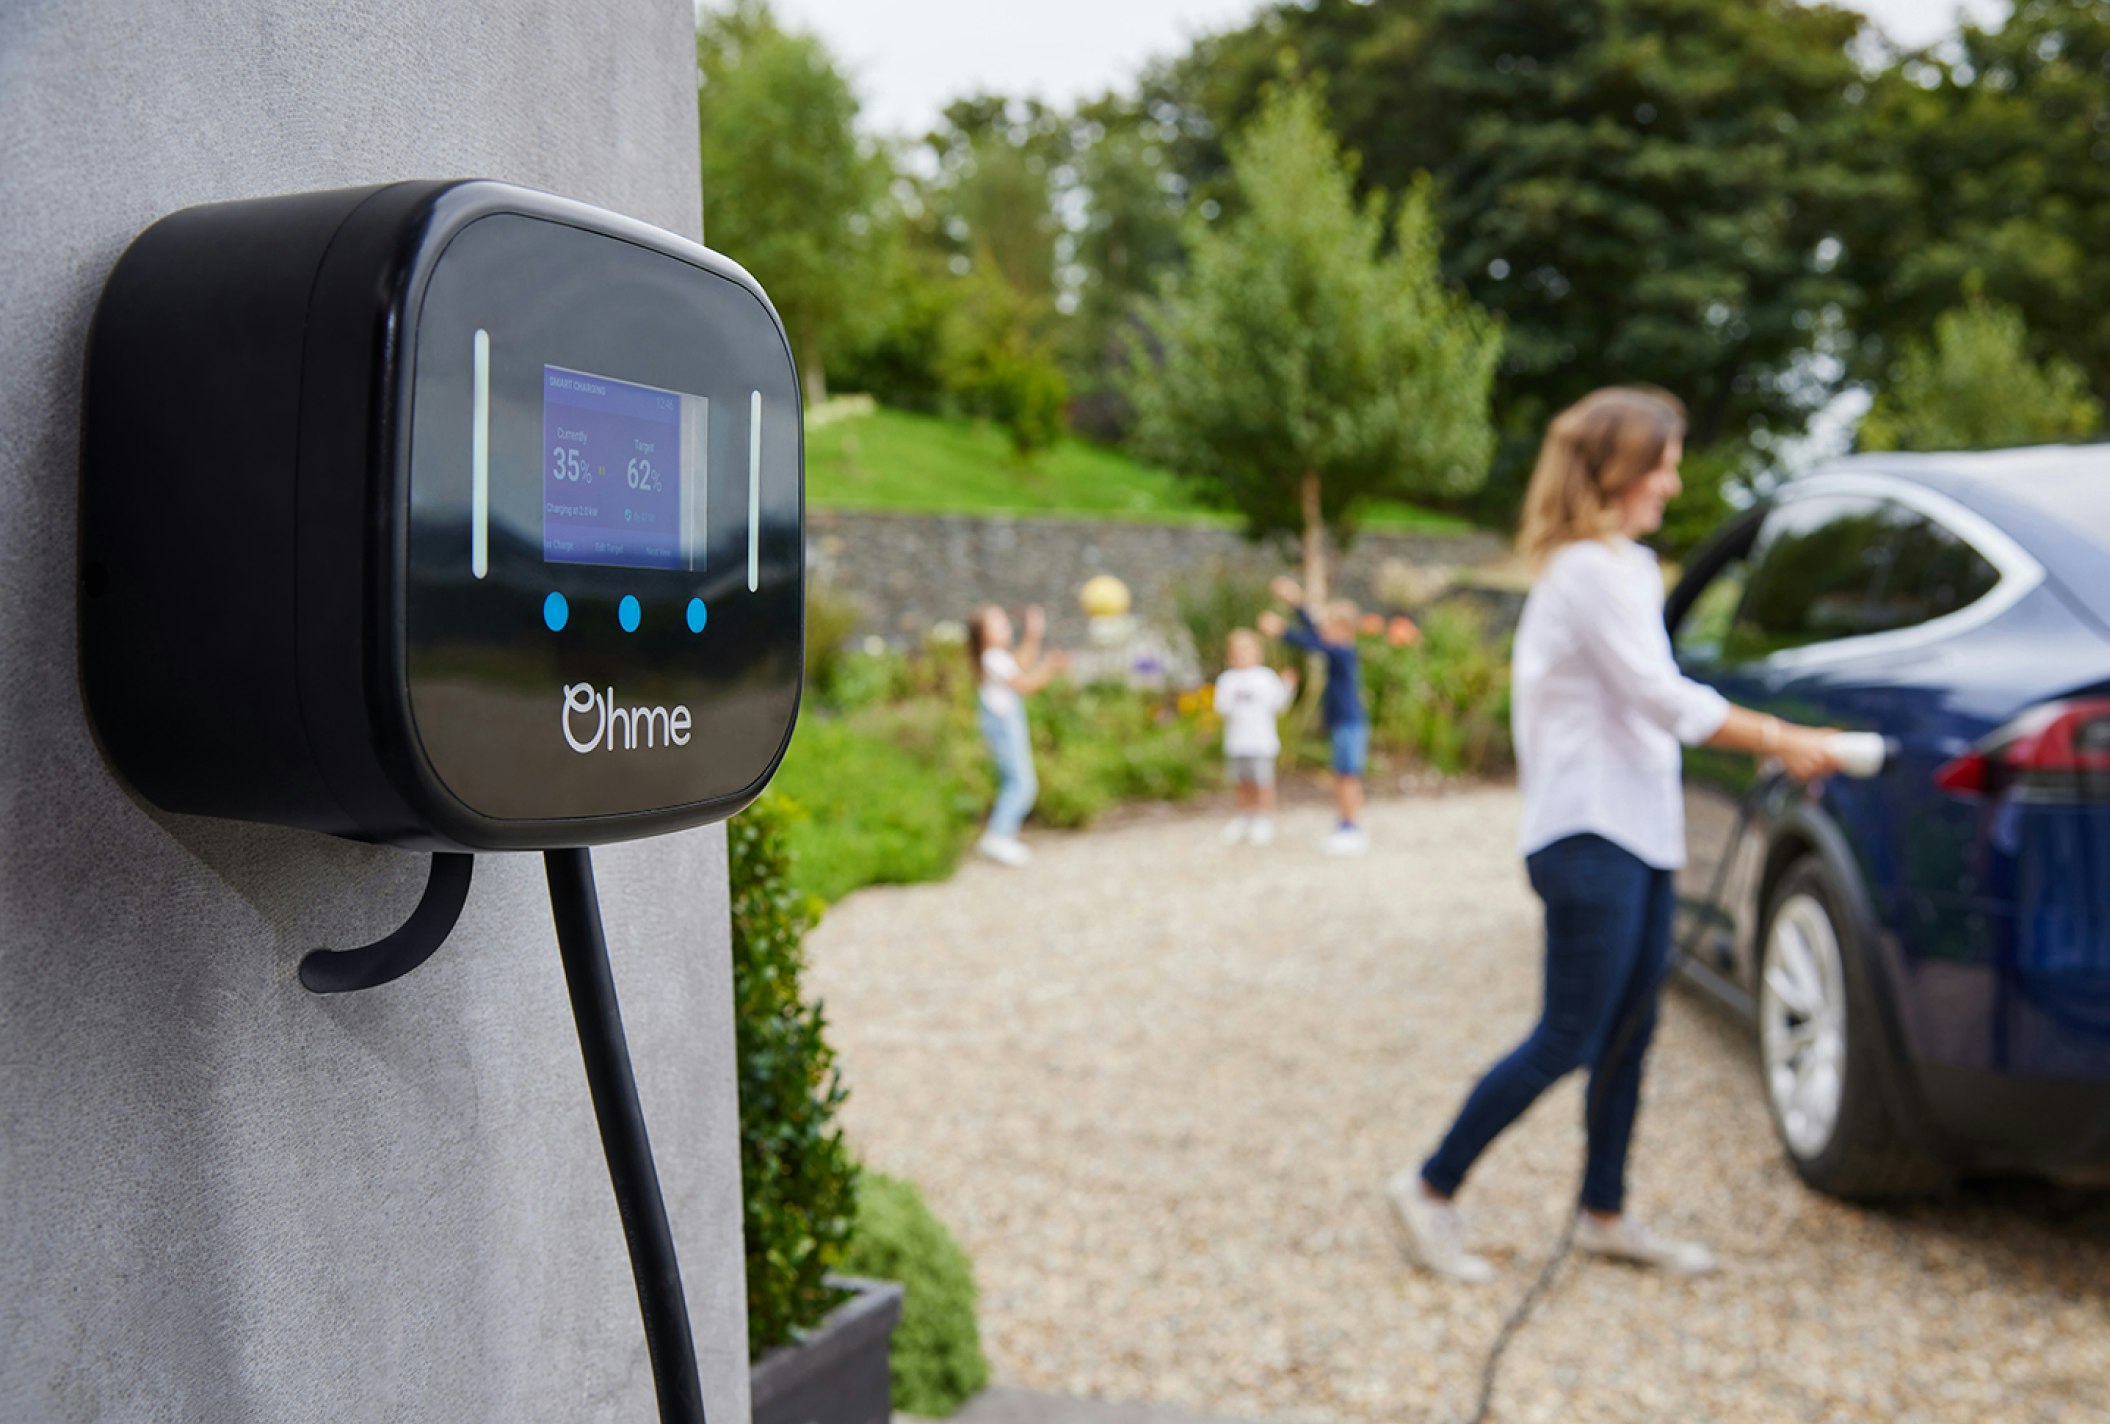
[458, 517]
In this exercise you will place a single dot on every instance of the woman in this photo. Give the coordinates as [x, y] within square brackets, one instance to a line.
[1006, 678]
[1599, 712]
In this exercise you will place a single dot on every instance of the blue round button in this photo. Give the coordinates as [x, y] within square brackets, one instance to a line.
[628, 613]
[556, 612]
[698, 615]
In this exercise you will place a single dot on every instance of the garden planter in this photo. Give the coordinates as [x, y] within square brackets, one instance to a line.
[838, 1373]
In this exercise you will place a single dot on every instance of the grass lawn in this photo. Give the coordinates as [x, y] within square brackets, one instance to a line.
[925, 464]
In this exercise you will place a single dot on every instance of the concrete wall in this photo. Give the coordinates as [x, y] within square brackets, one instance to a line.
[222, 1199]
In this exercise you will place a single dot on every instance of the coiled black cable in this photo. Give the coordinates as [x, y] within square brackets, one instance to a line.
[583, 946]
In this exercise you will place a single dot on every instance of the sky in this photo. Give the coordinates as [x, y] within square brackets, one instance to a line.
[909, 58]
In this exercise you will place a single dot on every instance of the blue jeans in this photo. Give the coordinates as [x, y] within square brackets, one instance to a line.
[1607, 945]
[1016, 785]
[1351, 748]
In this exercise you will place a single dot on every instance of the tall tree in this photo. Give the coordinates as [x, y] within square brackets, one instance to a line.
[1642, 189]
[1992, 154]
[1127, 201]
[788, 190]
[1300, 369]
[992, 201]
[1974, 387]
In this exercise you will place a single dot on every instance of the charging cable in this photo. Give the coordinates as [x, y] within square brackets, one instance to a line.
[1860, 755]
[583, 946]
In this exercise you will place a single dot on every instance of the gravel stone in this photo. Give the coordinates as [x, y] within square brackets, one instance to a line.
[1155, 1085]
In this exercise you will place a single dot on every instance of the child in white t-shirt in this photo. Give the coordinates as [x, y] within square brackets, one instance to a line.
[1005, 678]
[1249, 697]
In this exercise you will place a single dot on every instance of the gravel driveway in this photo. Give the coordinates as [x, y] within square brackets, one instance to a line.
[1154, 1084]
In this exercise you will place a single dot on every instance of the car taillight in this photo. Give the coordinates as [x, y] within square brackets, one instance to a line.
[2057, 752]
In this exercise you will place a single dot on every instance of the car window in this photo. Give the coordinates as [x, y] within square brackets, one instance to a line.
[1704, 630]
[1931, 572]
[1815, 569]
[1835, 567]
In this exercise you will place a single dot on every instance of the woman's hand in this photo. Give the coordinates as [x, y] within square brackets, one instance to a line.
[1806, 753]
[1036, 621]
[1287, 589]
[1270, 623]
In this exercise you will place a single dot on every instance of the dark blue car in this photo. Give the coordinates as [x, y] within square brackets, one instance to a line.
[1926, 953]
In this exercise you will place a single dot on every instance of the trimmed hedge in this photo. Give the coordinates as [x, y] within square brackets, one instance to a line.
[798, 1181]
[937, 1361]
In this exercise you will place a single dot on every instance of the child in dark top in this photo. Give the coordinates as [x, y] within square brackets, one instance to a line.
[1333, 636]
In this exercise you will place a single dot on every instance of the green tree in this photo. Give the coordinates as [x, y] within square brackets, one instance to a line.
[788, 189]
[1300, 369]
[995, 364]
[1990, 157]
[1641, 189]
[1129, 201]
[992, 202]
[1974, 387]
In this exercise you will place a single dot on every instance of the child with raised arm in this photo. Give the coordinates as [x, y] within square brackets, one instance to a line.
[1250, 695]
[1332, 636]
[1006, 677]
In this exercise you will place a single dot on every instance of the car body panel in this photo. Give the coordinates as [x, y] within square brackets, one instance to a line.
[1990, 918]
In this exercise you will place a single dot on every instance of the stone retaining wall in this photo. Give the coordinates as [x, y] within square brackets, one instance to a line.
[909, 571]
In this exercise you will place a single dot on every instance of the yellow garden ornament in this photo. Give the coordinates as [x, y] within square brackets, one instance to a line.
[1104, 596]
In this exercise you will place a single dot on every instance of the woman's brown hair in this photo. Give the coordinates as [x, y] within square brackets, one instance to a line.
[978, 635]
[1594, 449]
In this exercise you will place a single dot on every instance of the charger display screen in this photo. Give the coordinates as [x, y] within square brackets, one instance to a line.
[622, 476]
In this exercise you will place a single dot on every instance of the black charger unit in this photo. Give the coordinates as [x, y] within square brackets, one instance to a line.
[459, 517]
[450, 515]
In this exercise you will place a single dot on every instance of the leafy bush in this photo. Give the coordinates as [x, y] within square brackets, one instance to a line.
[937, 1356]
[888, 795]
[1976, 387]
[1213, 603]
[1097, 746]
[1444, 699]
[799, 1183]
[997, 366]
[862, 678]
[831, 618]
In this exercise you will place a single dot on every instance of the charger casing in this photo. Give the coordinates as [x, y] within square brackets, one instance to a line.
[450, 515]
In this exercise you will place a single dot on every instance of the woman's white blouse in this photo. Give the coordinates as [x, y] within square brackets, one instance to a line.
[1598, 706]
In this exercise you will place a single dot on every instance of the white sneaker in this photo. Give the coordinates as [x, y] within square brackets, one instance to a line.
[1004, 850]
[1261, 832]
[1626, 1239]
[1432, 1231]
[1237, 831]
[1347, 840]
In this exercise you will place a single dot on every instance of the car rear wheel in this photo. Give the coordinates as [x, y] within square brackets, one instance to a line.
[1820, 1046]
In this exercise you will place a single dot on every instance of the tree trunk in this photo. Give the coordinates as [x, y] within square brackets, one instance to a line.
[1314, 551]
[812, 377]
[1314, 543]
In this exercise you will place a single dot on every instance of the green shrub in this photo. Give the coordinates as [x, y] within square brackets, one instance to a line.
[1445, 699]
[998, 366]
[831, 618]
[798, 1182]
[888, 795]
[1097, 746]
[937, 1358]
[863, 679]
[1213, 603]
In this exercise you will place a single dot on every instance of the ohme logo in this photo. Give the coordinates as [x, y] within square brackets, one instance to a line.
[605, 725]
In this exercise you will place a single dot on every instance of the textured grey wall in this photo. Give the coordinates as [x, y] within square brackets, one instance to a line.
[222, 1199]
[907, 571]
